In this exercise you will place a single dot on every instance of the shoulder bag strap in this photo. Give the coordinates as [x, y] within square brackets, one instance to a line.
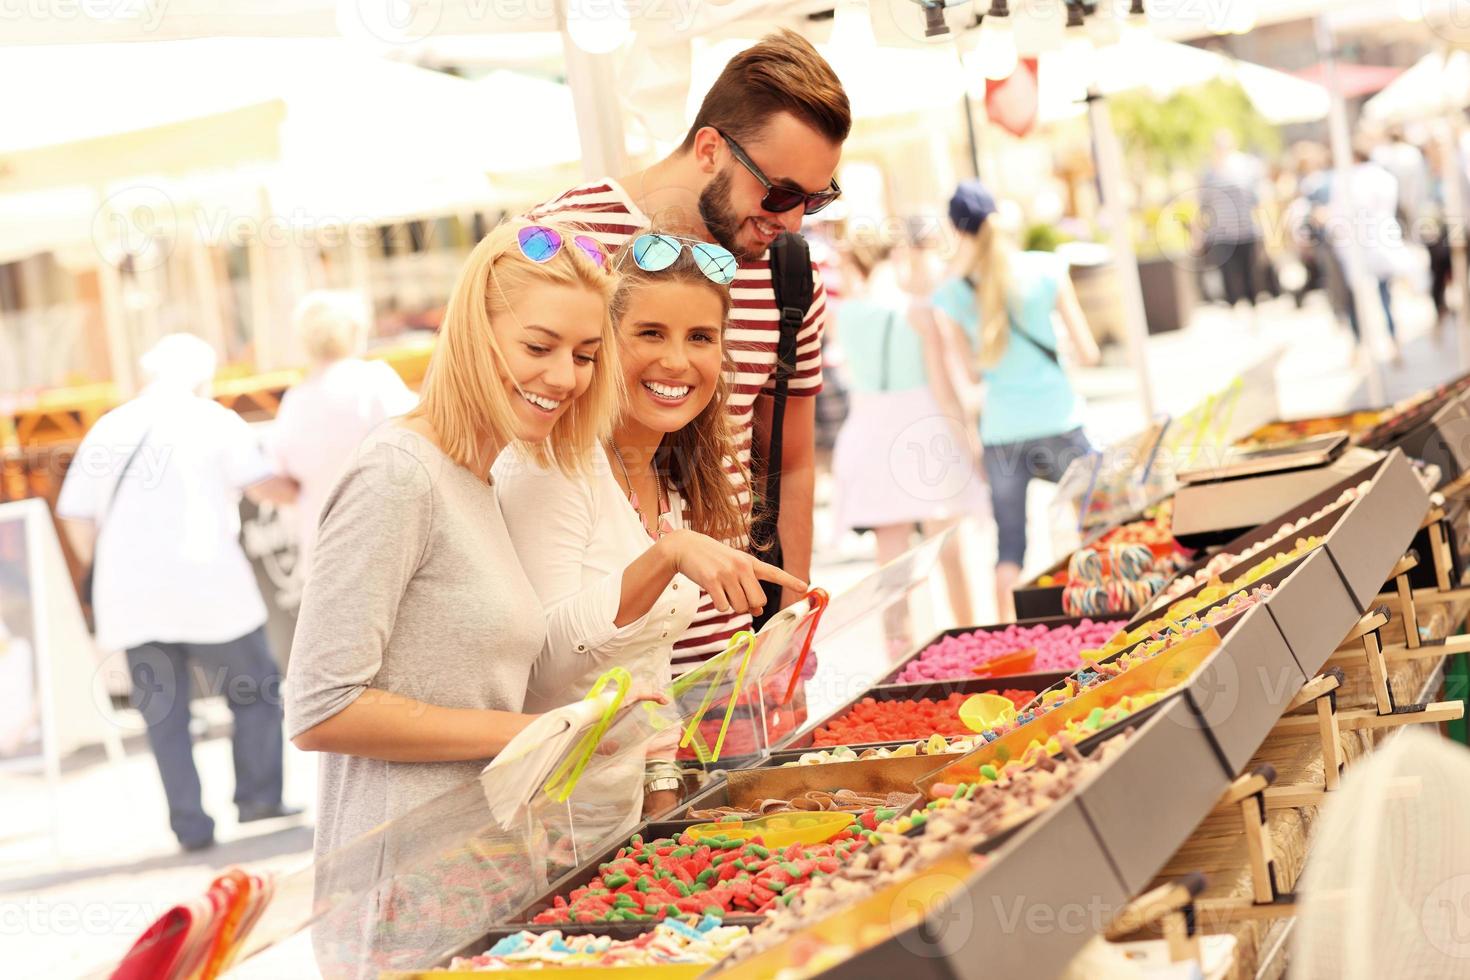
[84, 587]
[887, 345]
[1050, 352]
[116, 487]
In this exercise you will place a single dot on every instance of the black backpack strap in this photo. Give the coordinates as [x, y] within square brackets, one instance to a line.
[791, 276]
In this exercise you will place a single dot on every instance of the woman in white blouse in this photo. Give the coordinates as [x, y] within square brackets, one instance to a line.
[343, 397]
[619, 554]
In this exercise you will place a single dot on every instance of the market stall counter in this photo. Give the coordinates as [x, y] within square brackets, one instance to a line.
[934, 856]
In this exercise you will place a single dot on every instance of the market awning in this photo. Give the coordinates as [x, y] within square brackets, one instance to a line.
[1164, 67]
[1438, 83]
[1355, 81]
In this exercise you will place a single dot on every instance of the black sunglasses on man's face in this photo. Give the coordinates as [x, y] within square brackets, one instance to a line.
[780, 199]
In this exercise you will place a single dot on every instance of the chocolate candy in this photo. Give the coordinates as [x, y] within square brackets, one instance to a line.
[812, 801]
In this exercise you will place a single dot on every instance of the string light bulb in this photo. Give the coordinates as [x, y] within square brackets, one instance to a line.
[1243, 17]
[934, 25]
[602, 31]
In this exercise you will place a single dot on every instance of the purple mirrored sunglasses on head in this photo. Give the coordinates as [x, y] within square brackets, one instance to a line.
[541, 244]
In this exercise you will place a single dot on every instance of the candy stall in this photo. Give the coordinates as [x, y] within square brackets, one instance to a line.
[1130, 765]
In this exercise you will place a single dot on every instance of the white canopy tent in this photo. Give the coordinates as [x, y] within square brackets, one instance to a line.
[408, 141]
[1437, 83]
[375, 22]
[262, 147]
[397, 118]
[1142, 61]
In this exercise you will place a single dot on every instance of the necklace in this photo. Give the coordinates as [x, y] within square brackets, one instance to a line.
[665, 525]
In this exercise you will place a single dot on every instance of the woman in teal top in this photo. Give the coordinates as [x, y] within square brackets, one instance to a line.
[1031, 419]
[902, 457]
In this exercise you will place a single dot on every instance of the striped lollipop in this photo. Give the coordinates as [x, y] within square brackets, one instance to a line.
[1131, 562]
[1085, 566]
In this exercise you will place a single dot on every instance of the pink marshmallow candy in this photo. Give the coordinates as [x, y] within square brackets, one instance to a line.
[1057, 647]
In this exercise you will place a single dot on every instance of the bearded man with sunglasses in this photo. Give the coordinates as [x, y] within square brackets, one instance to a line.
[761, 153]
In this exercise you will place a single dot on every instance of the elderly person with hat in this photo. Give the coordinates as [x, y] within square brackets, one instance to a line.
[343, 397]
[1002, 300]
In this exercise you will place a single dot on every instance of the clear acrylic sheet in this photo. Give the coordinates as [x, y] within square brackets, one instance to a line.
[855, 646]
[403, 895]
[1107, 486]
[433, 881]
[424, 885]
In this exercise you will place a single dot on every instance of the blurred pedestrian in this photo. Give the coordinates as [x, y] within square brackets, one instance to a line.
[1407, 164]
[1433, 226]
[343, 397]
[903, 459]
[1366, 234]
[1309, 216]
[152, 498]
[1031, 421]
[1227, 231]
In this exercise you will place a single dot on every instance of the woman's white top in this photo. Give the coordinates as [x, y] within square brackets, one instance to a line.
[575, 536]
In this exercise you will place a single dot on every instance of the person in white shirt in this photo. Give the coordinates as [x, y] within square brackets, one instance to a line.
[1364, 230]
[1407, 164]
[323, 419]
[152, 499]
[618, 554]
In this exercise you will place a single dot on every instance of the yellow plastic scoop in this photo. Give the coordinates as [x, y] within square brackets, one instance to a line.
[778, 829]
[982, 712]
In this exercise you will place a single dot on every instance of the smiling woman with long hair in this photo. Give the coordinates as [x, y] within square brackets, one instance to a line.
[619, 554]
[418, 627]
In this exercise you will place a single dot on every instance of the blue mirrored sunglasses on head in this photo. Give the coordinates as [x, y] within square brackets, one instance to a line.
[656, 252]
[541, 244]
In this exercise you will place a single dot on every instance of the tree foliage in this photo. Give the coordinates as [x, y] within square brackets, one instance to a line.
[1163, 136]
